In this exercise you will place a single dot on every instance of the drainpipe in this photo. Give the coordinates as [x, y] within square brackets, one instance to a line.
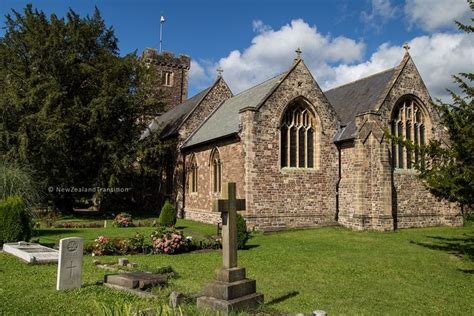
[338, 145]
[184, 185]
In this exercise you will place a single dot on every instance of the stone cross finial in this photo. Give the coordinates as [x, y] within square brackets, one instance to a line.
[406, 47]
[219, 71]
[228, 207]
[298, 53]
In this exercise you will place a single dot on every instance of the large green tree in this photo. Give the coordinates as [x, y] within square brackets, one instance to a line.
[449, 172]
[69, 103]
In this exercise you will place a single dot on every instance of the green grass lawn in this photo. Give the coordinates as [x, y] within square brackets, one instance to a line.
[414, 271]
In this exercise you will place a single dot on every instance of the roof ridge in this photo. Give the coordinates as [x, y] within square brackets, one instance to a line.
[258, 84]
[363, 78]
[186, 141]
[205, 94]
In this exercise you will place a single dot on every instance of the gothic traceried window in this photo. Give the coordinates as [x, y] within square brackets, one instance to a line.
[408, 124]
[297, 138]
[216, 171]
[193, 175]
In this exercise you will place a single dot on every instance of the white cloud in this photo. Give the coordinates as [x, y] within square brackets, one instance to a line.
[437, 58]
[382, 11]
[432, 15]
[197, 75]
[272, 51]
[259, 27]
[335, 61]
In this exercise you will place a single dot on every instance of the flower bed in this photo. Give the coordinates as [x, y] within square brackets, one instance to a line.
[78, 225]
[165, 241]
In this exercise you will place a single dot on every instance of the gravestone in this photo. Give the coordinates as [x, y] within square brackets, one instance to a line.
[136, 280]
[231, 291]
[70, 263]
[31, 252]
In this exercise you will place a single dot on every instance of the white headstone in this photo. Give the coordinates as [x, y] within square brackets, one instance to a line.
[70, 263]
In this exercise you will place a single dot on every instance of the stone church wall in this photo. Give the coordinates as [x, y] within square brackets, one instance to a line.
[278, 197]
[413, 204]
[417, 207]
[218, 93]
[198, 205]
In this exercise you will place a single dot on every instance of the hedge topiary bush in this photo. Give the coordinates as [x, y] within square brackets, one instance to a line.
[15, 220]
[242, 233]
[168, 215]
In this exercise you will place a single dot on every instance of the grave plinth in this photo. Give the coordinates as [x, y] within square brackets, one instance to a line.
[136, 280]
[31, 252]
[231, 291]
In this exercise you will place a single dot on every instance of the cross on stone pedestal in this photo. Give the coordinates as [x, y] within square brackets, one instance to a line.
[228, 207]
[231, 291]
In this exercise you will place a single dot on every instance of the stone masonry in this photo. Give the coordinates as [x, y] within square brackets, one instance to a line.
[177, 90]
[352, 183]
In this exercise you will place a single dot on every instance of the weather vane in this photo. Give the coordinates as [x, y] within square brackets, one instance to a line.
[162, 21]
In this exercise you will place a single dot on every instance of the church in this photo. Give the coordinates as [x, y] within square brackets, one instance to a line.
[303, 157]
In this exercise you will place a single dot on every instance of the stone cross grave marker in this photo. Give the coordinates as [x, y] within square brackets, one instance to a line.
[231, 291]
[228, 207]
[70, 263]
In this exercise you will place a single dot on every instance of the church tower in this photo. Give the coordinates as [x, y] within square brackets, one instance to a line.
[172, 74]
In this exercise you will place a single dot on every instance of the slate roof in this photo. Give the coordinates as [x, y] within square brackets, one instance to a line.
[169, 122]
[348, 101]
[357, 97]
[224, 121]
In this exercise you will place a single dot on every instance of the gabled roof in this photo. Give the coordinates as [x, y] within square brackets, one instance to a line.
[357, 97]
[169, 123]
[224, 121]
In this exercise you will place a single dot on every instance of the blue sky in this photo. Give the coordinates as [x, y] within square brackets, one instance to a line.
[254, 40]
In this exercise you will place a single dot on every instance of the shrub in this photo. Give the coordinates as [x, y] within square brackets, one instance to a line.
[103, 246]
[206, 243]
[168, 215]
[17, 180]
[15, 220]
[123, 220]
[168, 241]
[243, 234]
[136, 244]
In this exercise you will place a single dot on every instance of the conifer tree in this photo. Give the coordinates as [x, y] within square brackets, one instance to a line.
[69, 103]
[449, 172]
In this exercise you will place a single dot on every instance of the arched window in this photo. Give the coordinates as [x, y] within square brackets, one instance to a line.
[193, 175]
[297, 138]
[408, 124]
[216, 171]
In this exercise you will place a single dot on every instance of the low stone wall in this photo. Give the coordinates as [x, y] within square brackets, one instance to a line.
[202, 216]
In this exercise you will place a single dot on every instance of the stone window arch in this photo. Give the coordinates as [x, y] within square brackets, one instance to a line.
[216, 170]
[193, 174]
[410, 123]
[299, 136]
